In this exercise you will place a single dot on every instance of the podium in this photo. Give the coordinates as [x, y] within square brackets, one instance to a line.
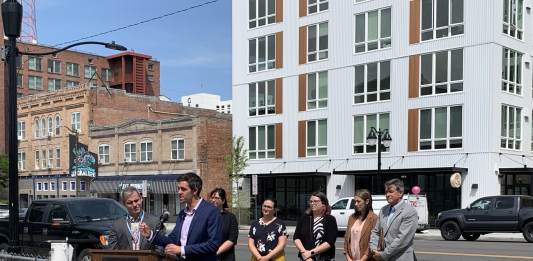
[128, 255]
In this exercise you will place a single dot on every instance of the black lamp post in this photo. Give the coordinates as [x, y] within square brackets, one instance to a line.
[75, 132]
[374, 139]
[12, 20]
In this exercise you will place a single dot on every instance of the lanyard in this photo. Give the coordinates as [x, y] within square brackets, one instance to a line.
[134, 238]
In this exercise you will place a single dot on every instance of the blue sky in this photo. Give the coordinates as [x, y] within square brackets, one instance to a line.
[194, 47]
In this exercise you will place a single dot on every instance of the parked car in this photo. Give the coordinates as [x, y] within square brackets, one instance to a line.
[501, 214]
[4, 211]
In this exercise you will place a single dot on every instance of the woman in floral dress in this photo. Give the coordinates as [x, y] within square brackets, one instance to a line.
[268, 235]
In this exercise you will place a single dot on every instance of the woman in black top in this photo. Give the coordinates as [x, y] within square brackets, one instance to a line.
[316, 230]
[230, 229]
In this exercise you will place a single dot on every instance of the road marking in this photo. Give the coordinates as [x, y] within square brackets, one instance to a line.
[440, 253]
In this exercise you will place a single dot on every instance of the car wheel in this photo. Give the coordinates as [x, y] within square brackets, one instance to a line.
[528, 232]
[85, 255]
[471, 236]
[4, 247]
[450, 231]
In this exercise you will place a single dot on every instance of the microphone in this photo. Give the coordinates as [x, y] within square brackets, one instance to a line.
[164, 218]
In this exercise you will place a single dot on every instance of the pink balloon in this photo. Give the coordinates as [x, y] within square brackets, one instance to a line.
[415, 190]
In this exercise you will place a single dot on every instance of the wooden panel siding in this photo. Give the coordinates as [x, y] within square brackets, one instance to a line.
[302, 92]
[414, 75]
[279, 95]
[279, 11]
[302, 47]
[303, 7]
[279, 50]
[301, 139]
[412, 130]
[279, 140]
[414, 21]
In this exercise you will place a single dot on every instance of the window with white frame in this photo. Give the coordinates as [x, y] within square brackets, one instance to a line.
[513, 18]
[150, 78]
[50, 158]
[22, 160]
[21, 130]
[262, 98]
[75, 121]
[317, 42]
[82, 185]
[43, 127]
[73, 69]
[73, 186]
[37, 153]
[317, 6]
[72, 83]
[34, 64]
[54, 66]
[103, 154]
[35, 82]
[362, 125]
[511, 134]
[52, 186]
[130, 152]
[373, 30]
[317, 138]
[58, 124]
[146, 151]
[43, 159]
[89, 71]
[36, 128]
[64, 186]
[317, 90]
[372, 82]
[177, 149]
[107, 74]
[441, 128]
[58, 158]
[441, 18]
[441, 72]
[19, 81]
[511, 71]
[54, 84]
[150, 67]
[50, 125]
[261, 142]
[262, 53]
[39, 186]
[261, 12]
[45, 186]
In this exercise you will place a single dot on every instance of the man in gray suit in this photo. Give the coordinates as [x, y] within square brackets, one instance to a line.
[125, 233]
[398, 222]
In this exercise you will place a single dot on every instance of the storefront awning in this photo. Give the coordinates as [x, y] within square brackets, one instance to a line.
[156, 184]
[289, 174]
[401, 171]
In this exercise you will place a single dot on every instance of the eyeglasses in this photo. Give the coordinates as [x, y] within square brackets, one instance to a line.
[216, 198]
[314, 201]
[268, 207]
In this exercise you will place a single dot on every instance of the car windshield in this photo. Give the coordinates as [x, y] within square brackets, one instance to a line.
[96, 211]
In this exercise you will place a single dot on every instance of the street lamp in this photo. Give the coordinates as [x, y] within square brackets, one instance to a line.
[75, 132]
[12, 21]
[374, 137]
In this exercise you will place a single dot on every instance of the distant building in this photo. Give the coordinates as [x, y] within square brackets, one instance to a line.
[207, 101]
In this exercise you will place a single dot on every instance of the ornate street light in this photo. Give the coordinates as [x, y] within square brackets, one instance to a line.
[375, 138]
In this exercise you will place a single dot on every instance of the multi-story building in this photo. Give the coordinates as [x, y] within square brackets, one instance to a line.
[449, 80]
[207, 101]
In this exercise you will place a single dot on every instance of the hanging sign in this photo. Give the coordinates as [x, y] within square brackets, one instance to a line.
[455, 180]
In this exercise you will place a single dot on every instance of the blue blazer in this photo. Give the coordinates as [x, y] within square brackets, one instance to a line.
[204, 236]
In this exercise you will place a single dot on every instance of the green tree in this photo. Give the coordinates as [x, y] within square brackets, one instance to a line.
[236, 162]
[4, 171]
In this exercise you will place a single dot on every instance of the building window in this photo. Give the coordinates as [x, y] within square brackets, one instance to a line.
[316, 6]
[37, 153]
[361, 127]
[19, 81]
[130, 152]
[58, 158]
[372, 82]
[177, 149]
[317, 90]
[107, 74]
[103, 154]
[511, 127]
[21, 130]
[262, 53]
[22, 160]
[19, 61]
[261, 12]
[52, 186]
[50, 126]
[513, 18]
[512, 72]
[90, 61]
[54, 66]
[35, 82]
[89, 71]
[441, 72]
[72, 83]
[73, 69]
[441, 18]
[82, 186]
[43, 127]
[39, 186]
[317, 141]
[37, 128]
[34, 64]
[146, 151]
[150, 78]
[373, 30]
[262, 98]
[317, 42]
[73, 186]
[75, 121]
[19, 95]
[64, 185]
[58, 124]
[150, 67]
[50, 158]
[262, 142]
[441, 128]
[45, 186]
[43, 159]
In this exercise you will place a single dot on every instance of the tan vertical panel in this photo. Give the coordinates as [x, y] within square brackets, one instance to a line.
[303, 7]
[414, 21]
[302, 47]
[279, 95]
[279, 50]
[412, 130]
[414, 75]
[301, 139]
[302, 92]
[279, 140]
[279, 11]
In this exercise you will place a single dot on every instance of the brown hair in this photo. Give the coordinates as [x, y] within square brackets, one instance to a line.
[363, 194]
[324, 201]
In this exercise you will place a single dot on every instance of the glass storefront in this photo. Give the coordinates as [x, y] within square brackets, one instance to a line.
[516, 184]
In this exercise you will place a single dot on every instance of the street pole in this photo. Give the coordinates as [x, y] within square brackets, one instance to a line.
[76, 160]
[378, 145]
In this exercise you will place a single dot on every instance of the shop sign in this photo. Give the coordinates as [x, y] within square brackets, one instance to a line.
[455, 180]
[137, 185]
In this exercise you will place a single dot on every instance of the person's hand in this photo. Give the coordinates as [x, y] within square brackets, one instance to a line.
[306, 254]
[376, 255]
[173, 249]
[260, 258]
[266, 258]
[145, 230]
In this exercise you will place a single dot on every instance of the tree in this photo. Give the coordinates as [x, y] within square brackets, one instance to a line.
[236, 162]
[4, 171]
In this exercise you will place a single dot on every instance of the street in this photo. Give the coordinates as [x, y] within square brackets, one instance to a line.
[430, 248]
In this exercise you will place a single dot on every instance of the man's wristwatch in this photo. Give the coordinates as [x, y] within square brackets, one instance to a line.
[312, 252]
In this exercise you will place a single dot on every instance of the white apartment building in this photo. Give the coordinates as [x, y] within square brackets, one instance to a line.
[451, 81]
[207, 101]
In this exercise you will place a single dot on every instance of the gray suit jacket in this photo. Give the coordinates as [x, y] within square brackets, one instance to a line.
[399, 234]
[120, 237]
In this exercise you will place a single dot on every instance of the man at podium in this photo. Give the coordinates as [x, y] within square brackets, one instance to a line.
[125, 233]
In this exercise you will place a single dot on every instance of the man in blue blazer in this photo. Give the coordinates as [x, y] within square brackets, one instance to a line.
[198, 231]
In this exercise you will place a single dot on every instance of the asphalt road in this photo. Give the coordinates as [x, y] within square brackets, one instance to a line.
[431, 248]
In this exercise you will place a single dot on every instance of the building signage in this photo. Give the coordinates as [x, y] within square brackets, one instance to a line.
[86, 160]
[455, 180]
[136, 184]
[254, 184]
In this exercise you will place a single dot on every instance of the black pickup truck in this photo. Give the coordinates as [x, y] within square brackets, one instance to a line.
[496, 214]
[57, 219]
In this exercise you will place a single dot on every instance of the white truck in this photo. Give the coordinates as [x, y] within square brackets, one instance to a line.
[344, 207]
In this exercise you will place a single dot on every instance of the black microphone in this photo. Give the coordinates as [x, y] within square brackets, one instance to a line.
[164, 218]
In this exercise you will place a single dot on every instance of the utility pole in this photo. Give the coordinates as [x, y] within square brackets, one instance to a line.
[76, 160]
